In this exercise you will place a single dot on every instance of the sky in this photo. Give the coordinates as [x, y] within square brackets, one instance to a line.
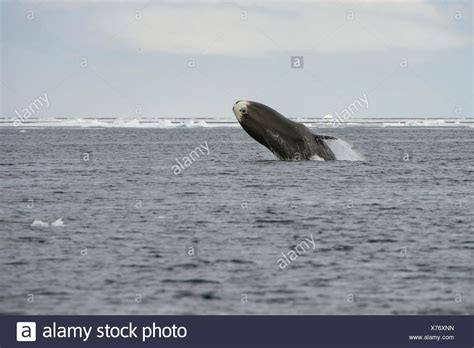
[168, 59]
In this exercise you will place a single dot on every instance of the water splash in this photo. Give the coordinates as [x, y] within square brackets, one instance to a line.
[316, 158]
[343, 150]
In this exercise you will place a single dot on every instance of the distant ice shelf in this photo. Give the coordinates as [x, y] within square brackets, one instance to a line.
[161, 123]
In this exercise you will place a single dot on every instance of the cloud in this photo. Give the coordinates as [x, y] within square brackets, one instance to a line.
[261, 27]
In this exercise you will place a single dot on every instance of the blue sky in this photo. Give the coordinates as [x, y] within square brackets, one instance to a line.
[196, 58]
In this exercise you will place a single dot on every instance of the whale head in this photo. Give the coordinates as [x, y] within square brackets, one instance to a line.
[256, 114]
[262, 123]
[240, 109]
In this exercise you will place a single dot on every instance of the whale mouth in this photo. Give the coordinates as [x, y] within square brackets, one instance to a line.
[240, 109]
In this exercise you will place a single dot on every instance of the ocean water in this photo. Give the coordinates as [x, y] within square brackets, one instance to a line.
[392, 234]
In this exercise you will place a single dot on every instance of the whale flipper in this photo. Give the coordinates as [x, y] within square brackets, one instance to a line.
[324, 137]
[322, 149]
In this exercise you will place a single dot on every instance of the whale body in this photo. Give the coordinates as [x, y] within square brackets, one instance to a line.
[286, 139]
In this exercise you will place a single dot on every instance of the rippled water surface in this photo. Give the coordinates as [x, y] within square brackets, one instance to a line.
[391, 236]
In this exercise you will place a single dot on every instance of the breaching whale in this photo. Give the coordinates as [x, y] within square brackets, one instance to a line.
[286, 139]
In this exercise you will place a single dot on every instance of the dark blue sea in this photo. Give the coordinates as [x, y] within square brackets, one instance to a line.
[95, 221]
